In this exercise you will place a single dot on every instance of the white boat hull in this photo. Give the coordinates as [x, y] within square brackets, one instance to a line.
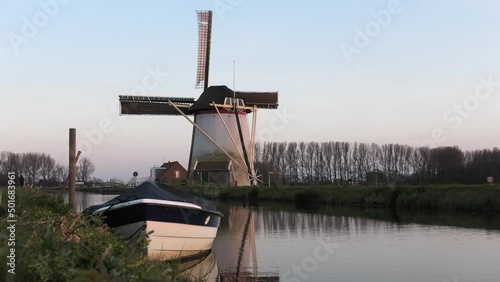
[171, 240]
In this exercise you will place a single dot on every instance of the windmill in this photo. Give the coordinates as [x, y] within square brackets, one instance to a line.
[222, 147]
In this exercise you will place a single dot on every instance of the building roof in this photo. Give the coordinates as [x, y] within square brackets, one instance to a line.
[169, 164]
[212, 165]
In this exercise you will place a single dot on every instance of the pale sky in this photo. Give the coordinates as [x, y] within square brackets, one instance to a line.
[415, 67]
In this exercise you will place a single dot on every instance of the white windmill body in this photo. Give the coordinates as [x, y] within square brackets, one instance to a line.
[203, 149]
[219, 136]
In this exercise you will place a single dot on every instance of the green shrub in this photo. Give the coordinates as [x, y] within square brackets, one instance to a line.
[253, 196]
[307, 196]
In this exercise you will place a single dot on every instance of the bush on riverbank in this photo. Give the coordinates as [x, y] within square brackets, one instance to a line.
[54, 244]
[472, 198]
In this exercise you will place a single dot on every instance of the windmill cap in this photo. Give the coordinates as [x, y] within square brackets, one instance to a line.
[217, 94]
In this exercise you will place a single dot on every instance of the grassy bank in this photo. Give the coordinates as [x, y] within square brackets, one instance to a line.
[54, 244]
[469, 198]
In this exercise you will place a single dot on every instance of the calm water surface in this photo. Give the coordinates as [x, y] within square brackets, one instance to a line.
[325, 244]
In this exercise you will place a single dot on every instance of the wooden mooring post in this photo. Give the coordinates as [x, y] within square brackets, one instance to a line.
[72, 168]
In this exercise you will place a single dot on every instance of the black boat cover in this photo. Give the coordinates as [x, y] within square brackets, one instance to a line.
[155, 191]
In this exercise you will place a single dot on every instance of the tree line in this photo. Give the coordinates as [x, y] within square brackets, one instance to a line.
[343, 163]
[41, 169]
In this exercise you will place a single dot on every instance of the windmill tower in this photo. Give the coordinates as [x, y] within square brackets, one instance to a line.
[222, 146]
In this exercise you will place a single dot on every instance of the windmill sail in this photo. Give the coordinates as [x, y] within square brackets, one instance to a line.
[204, 42]
[262, 100]
[150, 105]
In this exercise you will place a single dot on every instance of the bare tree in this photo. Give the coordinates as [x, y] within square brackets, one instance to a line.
[4, 155]
[85, 169]
[11, 162]
[319, 163]
[32, 164]
[47, 166]
[346, 152]
[310, 161]
[364, 163]
[61, 173]
[302, 161]
[282, 162]
[327, 152]
[425, 154]
[293, 162]
[258, 153]
[337, 162]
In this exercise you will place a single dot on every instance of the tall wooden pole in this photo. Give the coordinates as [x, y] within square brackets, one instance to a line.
[72, 168]
[66, 181]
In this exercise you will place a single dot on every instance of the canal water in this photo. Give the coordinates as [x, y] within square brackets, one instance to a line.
[276, 242]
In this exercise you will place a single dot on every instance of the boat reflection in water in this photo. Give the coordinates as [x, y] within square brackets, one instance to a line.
[203, 268]
[236, 248]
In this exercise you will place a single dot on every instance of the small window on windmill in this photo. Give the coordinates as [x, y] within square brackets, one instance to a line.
[240, 101]
[228, 101]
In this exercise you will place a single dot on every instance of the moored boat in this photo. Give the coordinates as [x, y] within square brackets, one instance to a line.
[179, 224]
